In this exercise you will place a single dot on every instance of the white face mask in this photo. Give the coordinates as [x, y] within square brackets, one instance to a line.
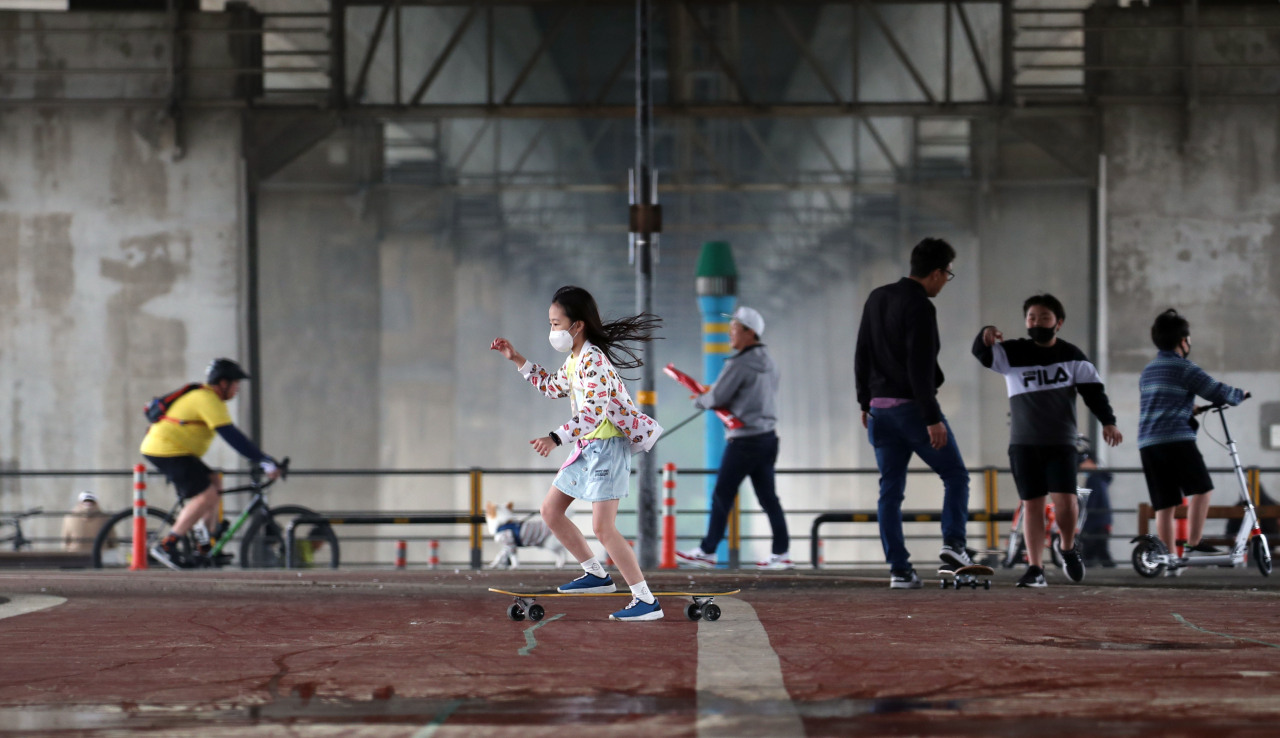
[561, 341]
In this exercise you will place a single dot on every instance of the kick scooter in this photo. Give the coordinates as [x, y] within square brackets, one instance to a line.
[1151, 557]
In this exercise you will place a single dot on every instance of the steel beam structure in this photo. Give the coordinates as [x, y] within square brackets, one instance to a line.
[777, 28]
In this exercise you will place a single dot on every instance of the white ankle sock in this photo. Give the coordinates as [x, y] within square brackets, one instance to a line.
[592, 566]
[641, 592]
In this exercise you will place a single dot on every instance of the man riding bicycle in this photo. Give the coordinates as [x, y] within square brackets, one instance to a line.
[183, 434]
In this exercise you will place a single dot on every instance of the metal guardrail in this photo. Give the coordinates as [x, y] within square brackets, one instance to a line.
[990, 514]
[855, 516]
[291, 530]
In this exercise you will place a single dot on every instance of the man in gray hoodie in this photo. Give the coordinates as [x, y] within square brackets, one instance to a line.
[747, 388]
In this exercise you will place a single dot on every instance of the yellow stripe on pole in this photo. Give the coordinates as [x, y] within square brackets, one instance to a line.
[715, 327]
[647, 397]
[717, 348]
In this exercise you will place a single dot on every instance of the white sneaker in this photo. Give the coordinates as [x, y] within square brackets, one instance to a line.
[696, 557]
[776, 561]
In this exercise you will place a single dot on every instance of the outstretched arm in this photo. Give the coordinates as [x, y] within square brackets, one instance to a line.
[1199, 382]
[248, 449]
[726, 386]
[549, 385]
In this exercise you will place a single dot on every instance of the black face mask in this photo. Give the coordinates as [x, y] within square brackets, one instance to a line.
[1041, 334]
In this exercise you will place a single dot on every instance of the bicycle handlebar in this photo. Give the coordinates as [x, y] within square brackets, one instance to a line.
[19, 516]
[256, 475]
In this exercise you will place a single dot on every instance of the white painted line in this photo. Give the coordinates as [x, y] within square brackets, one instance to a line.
[429, 730]
[21, 604]
[740, 687]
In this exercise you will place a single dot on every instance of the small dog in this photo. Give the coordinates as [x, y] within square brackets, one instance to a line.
[514, 534]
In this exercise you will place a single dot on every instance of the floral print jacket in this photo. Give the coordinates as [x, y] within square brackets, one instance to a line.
[606, 397]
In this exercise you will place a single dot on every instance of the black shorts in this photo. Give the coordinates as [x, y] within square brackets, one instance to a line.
[1173, 470]
[1039, 470]
[188, 474]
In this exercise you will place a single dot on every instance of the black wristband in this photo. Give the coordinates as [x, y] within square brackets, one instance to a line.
[554, 438]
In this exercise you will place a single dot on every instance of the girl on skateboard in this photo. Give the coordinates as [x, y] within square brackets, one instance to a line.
[605, 429]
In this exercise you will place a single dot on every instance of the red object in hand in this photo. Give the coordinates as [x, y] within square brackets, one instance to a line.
[729, 419]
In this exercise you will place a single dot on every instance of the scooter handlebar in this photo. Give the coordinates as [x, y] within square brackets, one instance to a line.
[1215, 406]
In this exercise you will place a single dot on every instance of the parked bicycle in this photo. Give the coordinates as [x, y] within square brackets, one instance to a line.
[1016, 551]
[261, 547]
[18, 540]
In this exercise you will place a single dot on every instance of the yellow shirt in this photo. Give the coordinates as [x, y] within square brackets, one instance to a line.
[606, 428]
[203, 412]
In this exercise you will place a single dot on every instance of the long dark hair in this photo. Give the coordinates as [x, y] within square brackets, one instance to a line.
[612, 338]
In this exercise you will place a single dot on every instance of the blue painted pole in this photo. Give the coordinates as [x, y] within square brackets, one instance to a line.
[717, 297]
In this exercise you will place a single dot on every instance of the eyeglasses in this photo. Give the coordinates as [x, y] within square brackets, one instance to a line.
[950, 274]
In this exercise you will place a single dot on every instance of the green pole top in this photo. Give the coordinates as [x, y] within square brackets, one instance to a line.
[716, 260]
[716, 275]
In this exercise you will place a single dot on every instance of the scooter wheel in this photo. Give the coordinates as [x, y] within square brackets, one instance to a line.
[1261, 553]
[1146, 559]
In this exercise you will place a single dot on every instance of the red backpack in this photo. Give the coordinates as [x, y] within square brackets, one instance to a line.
[157, 409]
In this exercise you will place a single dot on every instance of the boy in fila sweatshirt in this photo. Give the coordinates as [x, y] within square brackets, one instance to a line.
[1043, 374]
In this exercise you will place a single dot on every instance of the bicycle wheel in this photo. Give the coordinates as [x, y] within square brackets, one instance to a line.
[1016, 550]
[315, 546]
[113, 546]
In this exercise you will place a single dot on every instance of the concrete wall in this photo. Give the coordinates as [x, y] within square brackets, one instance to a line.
[124, 275]
[1193, 226]
[122, 255]
[122, 278]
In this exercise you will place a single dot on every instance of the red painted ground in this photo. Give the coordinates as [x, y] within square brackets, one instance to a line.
[231, 653]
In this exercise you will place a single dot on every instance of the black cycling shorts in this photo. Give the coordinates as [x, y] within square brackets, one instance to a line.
[1173, 470]
[1039, 470]
[188, 474]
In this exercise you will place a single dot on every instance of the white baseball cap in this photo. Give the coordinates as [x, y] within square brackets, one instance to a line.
[749, 318]
[88, 497]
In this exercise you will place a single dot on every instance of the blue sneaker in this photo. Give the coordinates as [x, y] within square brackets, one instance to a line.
[639, 610]
[589, 584]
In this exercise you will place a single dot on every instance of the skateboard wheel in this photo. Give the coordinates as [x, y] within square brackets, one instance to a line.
[515, 612]
[536, 612]
[986, 584]
[693, 612]
[711, 612]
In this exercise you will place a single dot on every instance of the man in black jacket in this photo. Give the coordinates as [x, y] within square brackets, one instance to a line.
[897, 375]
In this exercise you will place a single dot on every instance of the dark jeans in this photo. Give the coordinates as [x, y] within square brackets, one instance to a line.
[897, 433]
[752, 456]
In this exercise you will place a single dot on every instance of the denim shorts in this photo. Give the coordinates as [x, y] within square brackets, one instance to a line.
[601, 472]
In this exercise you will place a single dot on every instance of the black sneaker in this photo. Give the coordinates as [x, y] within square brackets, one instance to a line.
[166, 552]
[1073, 563]
[904, 580]
[1200, 549]
[1033, 577]
[956, 555]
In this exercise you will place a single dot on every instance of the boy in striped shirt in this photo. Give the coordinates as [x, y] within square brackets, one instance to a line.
[1167, 434]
